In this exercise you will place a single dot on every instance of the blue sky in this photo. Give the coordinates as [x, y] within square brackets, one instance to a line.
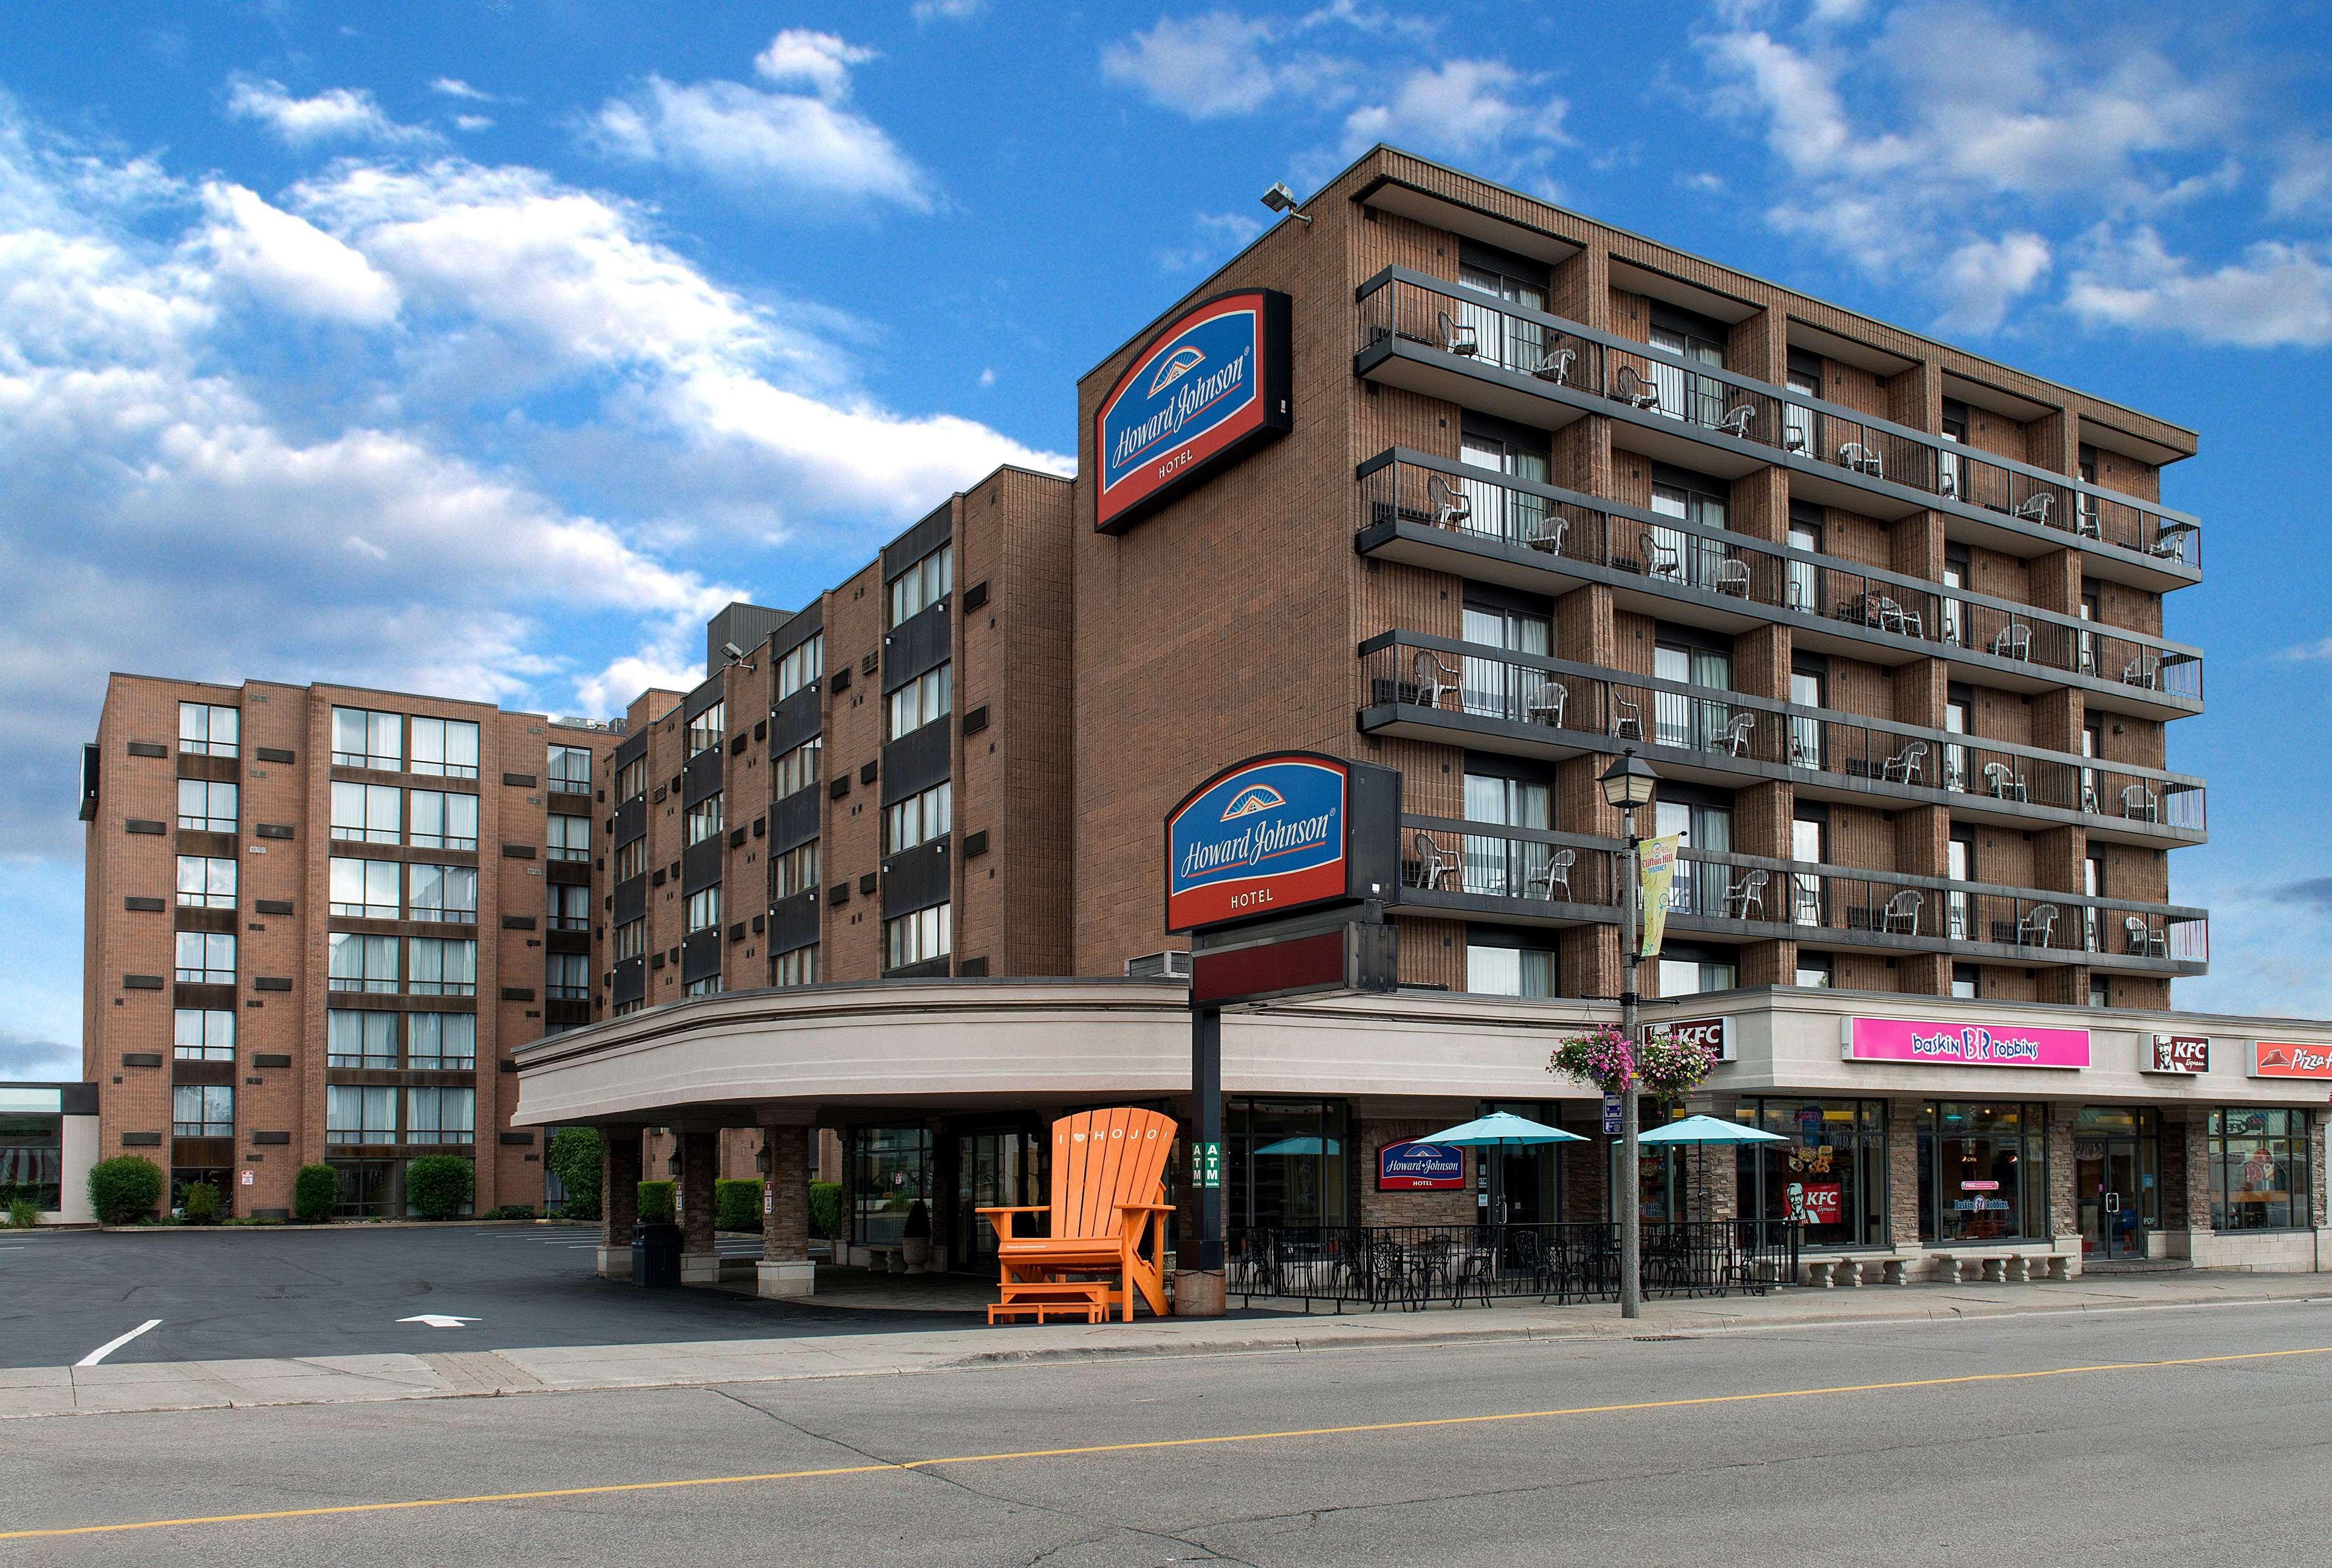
[484, 351]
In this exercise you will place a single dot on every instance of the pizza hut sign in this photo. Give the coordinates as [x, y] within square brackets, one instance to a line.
[2184, 1055]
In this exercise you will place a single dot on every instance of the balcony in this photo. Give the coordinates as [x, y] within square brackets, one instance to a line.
[1500, 872]
[1446, 517]
[1440, 689]
[1446, 341]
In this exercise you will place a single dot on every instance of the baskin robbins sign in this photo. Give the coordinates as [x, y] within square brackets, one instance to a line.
[1960, 1044]
[1208, 389]
[1273, 834]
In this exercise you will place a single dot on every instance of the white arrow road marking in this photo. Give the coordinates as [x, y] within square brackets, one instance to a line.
[434, 1320]
[110, 1345]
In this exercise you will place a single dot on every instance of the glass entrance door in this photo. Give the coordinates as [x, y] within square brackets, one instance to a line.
[2109, 1182]
[994, 1170]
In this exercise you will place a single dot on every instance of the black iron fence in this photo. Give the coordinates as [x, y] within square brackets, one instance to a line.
[1414, 1267]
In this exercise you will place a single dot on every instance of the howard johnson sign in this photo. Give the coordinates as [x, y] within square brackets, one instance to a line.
[1206, 391]
[1274, 834]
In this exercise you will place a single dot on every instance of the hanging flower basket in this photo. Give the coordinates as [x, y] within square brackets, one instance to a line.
[1661, 1065]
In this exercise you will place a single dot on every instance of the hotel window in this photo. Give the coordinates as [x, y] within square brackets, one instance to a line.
[1687, 970]
[703, 819]
[796, 769]
[365, 889]
[1697, 399]
[793, 871]
[1704, 824]
[631, 860]
[1956, 576]
[447, 1041]
[569, 836]
[1288, 1163]
[32, 1153]
[447, 748]
[2093, 883]
[2093, 738]
[567, 977]
[2261, 1165]
[892, 1170]
[440, 1116]
[202, 1110]
[206, 807]
[1984, 1172]
[918, 819]
[1966, 982]
[703, 911]
[1809, 689]
[569, 769]
[568, 906]
[357, 962]
[362, 738]
[1803, 593]
[203, 1034]
[1817, 971]
[917, 938]
[443, 820]
[919, 702]
[631, 780]
[1959, 865]
[2087, 646]
[443, 966]
[708, 729]
[1809, 846]
[1959, 718]
[1803, 376]
[631, 939]
[353, 1038]
[801, 666]
[207, 957]
[1678, 556]
[798, 967]
[206, 730]
[922, 585]
[1497, 688]
[360, 1114]
[1496, 970]
[1495, 864]
[369, 814]
[1954, 433]
[708, 985]
[1495, 509]
[1831, 1176]
[206, 882]
[1512, 341]
[446, 893]
[1685, 718]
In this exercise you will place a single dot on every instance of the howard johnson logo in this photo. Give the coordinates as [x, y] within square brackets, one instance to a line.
[1198, 396]
[1253, 799]
[1174, 406]
[1172, 368]
[1267, 837]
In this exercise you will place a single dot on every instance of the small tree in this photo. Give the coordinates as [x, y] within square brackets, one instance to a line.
[201, 1202]
[314, 1190]
[124, 1188]
[573, 1157]
[438, 1185]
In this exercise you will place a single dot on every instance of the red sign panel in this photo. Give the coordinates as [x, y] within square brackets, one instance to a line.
[2183, 1054]
[1208, 388]
[2279, 1058]
[1267, 837]
[1814, 1202]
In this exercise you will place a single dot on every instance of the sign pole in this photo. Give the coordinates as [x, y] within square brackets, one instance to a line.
[1206, 1088]
[1631, 1241]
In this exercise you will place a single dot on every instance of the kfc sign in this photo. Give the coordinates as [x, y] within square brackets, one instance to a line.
[2183, 1054]
[1713, 1035]
[1814, 1202]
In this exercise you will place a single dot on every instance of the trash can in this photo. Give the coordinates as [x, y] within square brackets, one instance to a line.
[656, 1254]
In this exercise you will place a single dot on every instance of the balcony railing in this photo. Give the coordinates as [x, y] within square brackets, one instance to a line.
[1399, 305]
[1728, 729]
[1810, 902]
[1556, 526]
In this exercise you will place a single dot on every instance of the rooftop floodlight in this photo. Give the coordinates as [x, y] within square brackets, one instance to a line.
[1280, 199]
[736, 656]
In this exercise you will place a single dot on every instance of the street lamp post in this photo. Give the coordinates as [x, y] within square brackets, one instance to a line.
[1630, 784]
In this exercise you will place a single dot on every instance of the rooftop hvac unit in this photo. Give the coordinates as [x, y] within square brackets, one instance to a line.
[1168, 965]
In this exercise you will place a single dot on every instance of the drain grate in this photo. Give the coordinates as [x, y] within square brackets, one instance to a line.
[1661, 1338]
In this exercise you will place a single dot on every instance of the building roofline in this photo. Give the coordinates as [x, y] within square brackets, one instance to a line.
[586, 725]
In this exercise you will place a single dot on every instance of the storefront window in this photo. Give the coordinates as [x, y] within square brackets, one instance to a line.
[1831, 1176]
[893, 1171]
[32, 1153]
[1984, 1172]
[1671, 1182]
[1287, 1160]
[2259, 1170]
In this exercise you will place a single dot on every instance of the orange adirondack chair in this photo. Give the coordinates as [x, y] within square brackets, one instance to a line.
[1108, 1177]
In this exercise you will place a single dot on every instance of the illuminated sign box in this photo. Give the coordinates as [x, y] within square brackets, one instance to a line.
[1916, 1040]
[2286, 1059]
[1207, 390]
[1275, 834]
[1420, 1167]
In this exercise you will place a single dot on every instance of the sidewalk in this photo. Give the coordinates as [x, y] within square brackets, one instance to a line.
[33, 1391]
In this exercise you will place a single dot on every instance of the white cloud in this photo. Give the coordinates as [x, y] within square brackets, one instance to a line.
[473, 122]
[2277, 294]
[948, 10]
[289, 261]
[338, 114]
[1215, 238]
[1983, 277]
[801, 143]
[2303, 181]
[455, 87]
[1461, 106]
[1205, 67]
[2309, 651]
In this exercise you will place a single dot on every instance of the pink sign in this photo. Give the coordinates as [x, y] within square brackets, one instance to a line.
[1966, 1044]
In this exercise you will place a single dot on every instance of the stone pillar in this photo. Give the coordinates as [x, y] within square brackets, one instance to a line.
[785, 1269]
[700, 1159]
[2064, 1227]
[619, 1199]
[1903, 1173]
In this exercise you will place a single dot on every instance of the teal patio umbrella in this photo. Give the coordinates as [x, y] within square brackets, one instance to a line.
[1500, 1129]
[1700, 1132]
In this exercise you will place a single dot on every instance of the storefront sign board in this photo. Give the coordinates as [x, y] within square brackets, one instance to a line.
[1420, 1167]
[2184, 1055]
[1208, 389]
[2284, 1058]
[1713, 1035]
[1906, 1039]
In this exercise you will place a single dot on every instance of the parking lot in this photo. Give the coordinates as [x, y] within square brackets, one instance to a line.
[229, 1294]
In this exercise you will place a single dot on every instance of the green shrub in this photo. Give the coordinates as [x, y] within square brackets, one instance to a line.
[737, 1205]
[314, 1190]
[826, 1210]
[23, 1213]
[655, 1202]
[201, 1202]
[124, 1188]
[573, 1157]
[437, 1186]
[511, 1211]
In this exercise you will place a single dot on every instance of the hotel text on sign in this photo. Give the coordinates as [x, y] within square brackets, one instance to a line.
[1206, 391]
[1962, 1044]
[1264, 838]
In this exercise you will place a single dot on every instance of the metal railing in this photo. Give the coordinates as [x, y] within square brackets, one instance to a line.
[1403, 306]
[1412, 1267]
[1408, 669]
[1558, 525]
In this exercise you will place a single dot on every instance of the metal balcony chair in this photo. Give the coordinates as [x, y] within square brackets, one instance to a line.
[1554, 368]
[1432, 864]
[1555, 873]
[2033, 929]
[2142, 673]
[1888, 615]
[2170, 542]
[1862, 459]
[1955, 771]
[1901, 914]
[1662, 560]
[1626, 715]
[1903, 768]
[1459, 337]
[1549, 535]
[1732, 576]
[1736, 422]
[1736, 738]
[1435, 679]
[2005, 782]
[2034, 508]
[1805, 744]
[2139, 803]
[1452, 506]
[1629, 386]
[2013, 640]
[1747, 894]
[2144, 940]
[2085, 520]
[1545, 705]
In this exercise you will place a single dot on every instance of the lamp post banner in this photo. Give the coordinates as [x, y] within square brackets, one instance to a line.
[1658, 859]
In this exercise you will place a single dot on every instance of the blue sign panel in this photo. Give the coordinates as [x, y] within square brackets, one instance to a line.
[1267, 837]
[1209, 386]
[1420, 1167]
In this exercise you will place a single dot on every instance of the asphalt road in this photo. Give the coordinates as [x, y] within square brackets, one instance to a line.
[2058, 1439]
[230, 1294]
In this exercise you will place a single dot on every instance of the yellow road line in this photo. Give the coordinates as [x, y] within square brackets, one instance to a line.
[610, 1489]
